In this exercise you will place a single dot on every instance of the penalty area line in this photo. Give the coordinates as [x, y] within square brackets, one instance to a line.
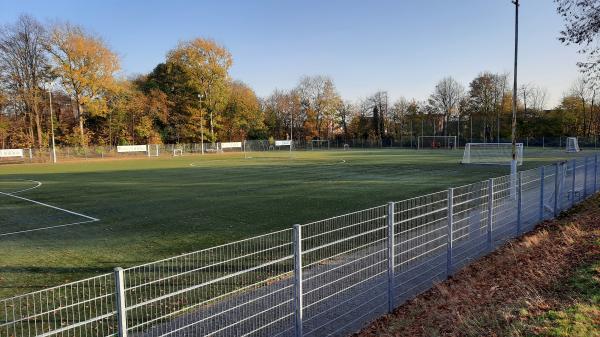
[54, 207]
[46, 228]
[89, 218]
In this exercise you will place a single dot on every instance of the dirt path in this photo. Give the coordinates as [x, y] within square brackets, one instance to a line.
[501, 292]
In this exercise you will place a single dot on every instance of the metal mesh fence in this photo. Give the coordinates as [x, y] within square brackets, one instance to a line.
[83, 308]
[470, 223]
[328, 277]
[420, 239]
[235, 289]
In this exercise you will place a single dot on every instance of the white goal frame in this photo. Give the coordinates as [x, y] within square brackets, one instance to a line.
[177, 152]
[491, 153]
[319, 141]
[448, 142]
[153, 150]
[572, 145]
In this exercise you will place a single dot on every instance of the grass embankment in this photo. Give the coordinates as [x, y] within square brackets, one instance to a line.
[546, 283]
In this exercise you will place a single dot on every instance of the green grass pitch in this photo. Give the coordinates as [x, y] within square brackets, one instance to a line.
[151, 208]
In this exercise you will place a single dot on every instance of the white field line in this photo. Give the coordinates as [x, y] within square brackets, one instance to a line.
[38, 184]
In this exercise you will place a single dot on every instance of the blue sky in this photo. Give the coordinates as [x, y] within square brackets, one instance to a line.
[400, 46]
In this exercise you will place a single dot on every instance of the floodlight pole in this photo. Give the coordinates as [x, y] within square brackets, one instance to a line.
[513, 163]
[52, 127]
[201, 125]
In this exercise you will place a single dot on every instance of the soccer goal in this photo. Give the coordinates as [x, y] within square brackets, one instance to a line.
[318, 144]
[436, 142]
[491, 153]
[153, 150]
[177, 152]
[572, 144]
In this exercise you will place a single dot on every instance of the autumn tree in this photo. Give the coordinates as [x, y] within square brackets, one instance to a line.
[486, 96]
[446, 98]
[320, 103]
[283, 115]
[242, 116]
[582, 28]
[204, 68]
[135, 116]
[24, 68]
[86, 69]
[345, 112]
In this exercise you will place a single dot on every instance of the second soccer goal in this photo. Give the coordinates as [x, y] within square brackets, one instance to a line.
[491, 153]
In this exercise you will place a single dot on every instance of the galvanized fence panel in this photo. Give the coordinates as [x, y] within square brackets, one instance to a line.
[504, 214]
[421, 235]
[344, 266]
[470, 223]
[242, 288]
[82, 308]
[531, 199]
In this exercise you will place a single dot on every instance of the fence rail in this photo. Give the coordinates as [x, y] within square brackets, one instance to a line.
[328, 277]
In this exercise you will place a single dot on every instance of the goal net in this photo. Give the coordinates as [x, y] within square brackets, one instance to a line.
[491, 153]
[318, 144]
[177, 152]
[153, 150]
[572, 144]
[436, 142]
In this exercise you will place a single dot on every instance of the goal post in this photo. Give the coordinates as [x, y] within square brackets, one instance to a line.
[436, 142]
[491, 153]
[572, 145]
[177, 152]
[153, 150]
[319, 144]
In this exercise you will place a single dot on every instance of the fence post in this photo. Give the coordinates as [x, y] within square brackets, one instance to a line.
[556, 189]
[450, 231]
[519, 198]
[490, 217]
[542, 175]
[391, 255]
[120, 301]
[574, 174]
[595, 173]
[585, 174]
[298, 279]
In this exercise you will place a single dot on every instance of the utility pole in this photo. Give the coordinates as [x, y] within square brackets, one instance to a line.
[52, 127]
[513, 163]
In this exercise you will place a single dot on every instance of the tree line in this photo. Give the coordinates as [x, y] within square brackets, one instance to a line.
[191, 97]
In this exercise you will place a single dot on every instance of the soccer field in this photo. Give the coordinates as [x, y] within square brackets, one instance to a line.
[60, 223]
